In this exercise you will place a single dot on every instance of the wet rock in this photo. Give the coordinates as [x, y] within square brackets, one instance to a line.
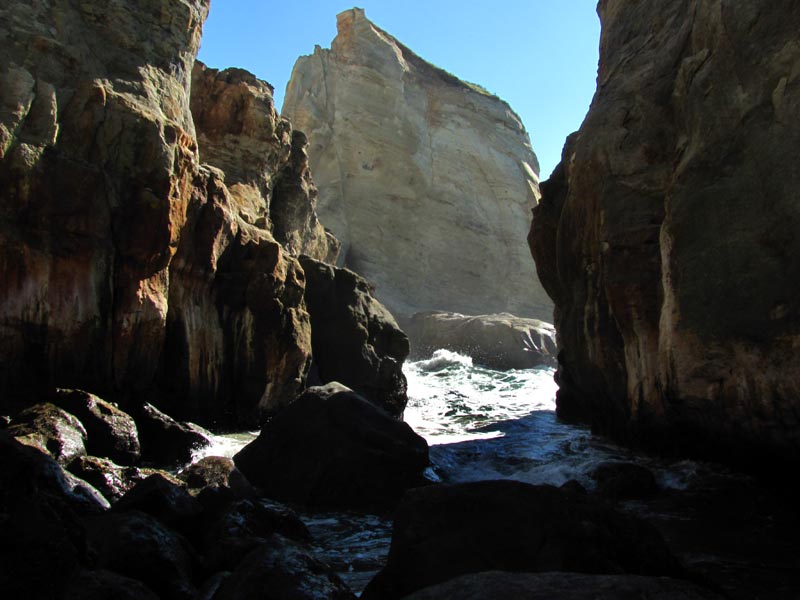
[165, 499]
[355, 340]
[562, 586]
[215, 481]
[243, 526]
[444, 531]
[281, 569]
[331, 447]
[5, 421]
[111, 433]
[52, 430]
[40, 528]
[165, 441]
[108, 478]
[138, 546]
[104, 585]
[500, 341]
[624, 481]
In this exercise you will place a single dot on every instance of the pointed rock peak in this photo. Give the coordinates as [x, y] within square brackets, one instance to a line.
[347, 17]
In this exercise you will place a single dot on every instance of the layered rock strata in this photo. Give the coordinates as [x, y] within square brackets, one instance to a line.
[128, 268]
[427, 181]
[666, 237]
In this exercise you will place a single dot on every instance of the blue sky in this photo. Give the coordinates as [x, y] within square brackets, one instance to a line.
[538, 55]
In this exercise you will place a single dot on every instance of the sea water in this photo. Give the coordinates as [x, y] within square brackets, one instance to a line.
[480, 424]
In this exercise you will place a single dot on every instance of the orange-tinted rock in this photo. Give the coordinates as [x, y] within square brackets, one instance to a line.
[666, 238]
[127, 268]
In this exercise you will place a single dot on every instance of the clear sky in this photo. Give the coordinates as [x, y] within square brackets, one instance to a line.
[538, 55]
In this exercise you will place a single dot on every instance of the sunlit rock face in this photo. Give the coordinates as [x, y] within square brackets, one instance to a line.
[667, 237]
[427, 181]
[127, 267]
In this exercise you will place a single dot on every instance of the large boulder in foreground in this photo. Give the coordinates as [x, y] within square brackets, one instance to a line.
[562, 586]
[443, 531]
[500, 341]
[333, 448]
[354, 339]
[427, 180]
[667, 238]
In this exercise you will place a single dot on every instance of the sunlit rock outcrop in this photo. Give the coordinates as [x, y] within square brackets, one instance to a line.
[127, 267]
[426, 180]
[667, 237]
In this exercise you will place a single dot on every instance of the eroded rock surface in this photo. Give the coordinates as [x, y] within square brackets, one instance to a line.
[667, 236]
[128, 268]
[427, 181]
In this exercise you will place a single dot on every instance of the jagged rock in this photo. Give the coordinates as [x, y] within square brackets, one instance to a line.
[108, 478]
[427, 181]
[562, 586]
[136, 545]
[265, 162]
[111, 433]
[164, 440]
[127, 267]
[102, 585]
[51, 430]
[354, 339]
[624, 481]
[245, 525]
[333, 448]
[495, 341]
[40, 529]
[443, 531]
[283, 570]
[667, 237]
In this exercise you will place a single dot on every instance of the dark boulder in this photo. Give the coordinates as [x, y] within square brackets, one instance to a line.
[105, 585]
[624, 481]
[165, 499]
[110, 479]
[354, 339]
[333, 448]
[52, 430]
[282, 570]
[243, 526]
[111, 432]
[41, 506]
[444, 531]
[562, 586]
[136, 545]
[165, 441]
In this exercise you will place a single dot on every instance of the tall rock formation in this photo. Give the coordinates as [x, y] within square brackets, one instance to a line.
[426, 180]
[127, 267]
[667, 237]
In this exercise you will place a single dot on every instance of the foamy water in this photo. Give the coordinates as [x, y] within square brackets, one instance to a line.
[480, 424]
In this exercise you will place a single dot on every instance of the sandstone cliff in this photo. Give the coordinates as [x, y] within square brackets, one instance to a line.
[427, 181]
[127, 267]
[667, 235]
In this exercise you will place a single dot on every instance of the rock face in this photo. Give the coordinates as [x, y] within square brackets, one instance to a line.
[264, 161]
[354, 339]
[128, 268]
[426, 180]
[666, 237]
[496, 341]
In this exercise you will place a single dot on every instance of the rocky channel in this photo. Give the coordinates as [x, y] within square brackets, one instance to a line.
[167, 275]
